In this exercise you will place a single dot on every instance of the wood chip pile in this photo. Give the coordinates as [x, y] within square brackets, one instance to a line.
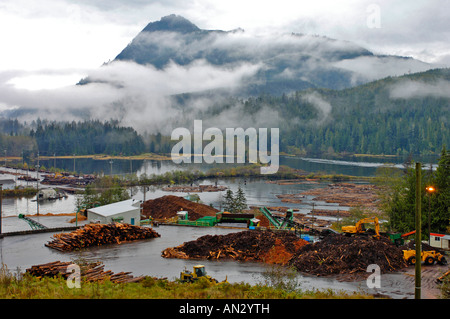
[89, 272]
[167, 207]
[100, 234]
[339, 254]
[265, 246]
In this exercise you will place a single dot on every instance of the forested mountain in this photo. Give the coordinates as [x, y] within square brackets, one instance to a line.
[284, 62]
[396, 115]
[409, 114]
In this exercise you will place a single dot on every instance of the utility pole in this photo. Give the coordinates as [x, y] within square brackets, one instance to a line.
[37, 185]
[1, 195]
[418, 239]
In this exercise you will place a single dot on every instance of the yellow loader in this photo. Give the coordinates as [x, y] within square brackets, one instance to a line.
[428, 257]
[198, 272]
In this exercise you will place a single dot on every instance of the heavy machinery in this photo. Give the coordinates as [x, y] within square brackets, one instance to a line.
[428, 257]
[398, 238]
[282, 222]
[359, 228]
[199, 271]
[33, 224]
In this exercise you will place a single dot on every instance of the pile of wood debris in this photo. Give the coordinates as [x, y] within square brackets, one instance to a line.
[340, 254]
[265, 246]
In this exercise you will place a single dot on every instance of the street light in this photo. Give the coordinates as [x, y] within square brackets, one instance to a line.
[430, 190]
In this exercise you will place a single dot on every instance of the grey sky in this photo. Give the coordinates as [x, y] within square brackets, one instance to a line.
[62, 39]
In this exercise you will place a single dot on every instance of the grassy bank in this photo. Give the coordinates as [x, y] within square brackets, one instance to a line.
[28, 287]
[19, 192]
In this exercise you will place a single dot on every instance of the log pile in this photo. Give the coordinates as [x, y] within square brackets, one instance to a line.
[444, 277]
[339, 254]
[89, 272]
[100, 234]
[291, 198]
[265, 246]
[330, 212]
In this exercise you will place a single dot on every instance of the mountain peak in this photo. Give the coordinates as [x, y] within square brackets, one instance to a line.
[174, 23]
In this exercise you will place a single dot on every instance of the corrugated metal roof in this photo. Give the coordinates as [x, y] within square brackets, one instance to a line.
[116, 208]
[443, 236]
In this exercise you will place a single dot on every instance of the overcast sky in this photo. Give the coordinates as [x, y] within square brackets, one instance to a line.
[63, 39]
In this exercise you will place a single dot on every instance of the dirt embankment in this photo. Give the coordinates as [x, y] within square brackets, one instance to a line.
[167, 207]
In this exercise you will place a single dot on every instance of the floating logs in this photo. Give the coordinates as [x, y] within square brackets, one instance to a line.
[347, 194]
[89, 272]
[100, 234]
[195, 189]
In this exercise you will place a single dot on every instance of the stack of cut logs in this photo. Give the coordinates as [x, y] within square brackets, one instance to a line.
[100, 234]
[89, 272]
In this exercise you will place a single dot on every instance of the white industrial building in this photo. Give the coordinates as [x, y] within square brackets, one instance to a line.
[127, 211]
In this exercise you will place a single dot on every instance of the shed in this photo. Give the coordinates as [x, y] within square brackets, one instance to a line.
[127, 211]
[440, 240]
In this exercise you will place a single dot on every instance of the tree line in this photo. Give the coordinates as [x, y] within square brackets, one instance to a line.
[68, 138]
[398, 196]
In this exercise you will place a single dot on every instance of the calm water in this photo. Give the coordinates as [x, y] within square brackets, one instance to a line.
[258, 192]
[356, 166]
